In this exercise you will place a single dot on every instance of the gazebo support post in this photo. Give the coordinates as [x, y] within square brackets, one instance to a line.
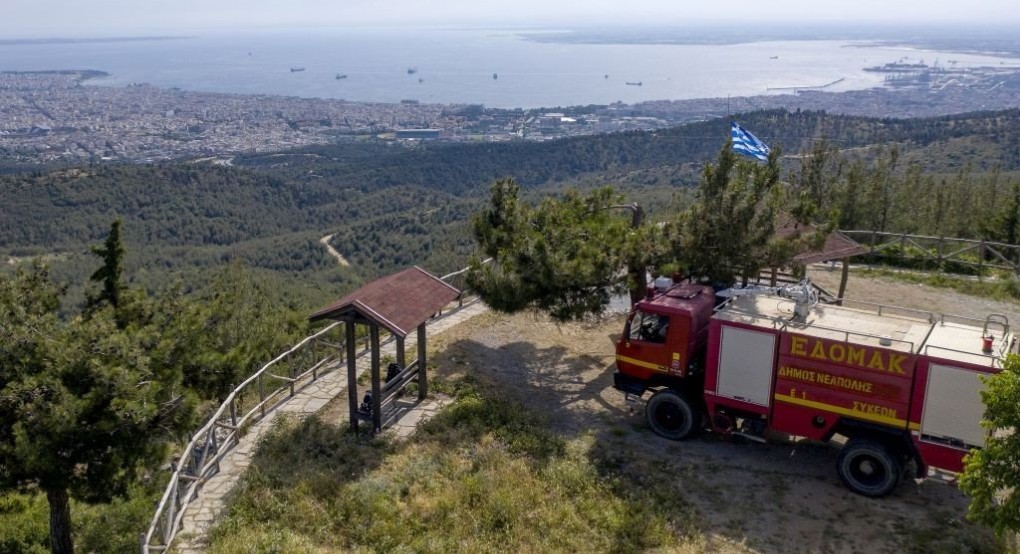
[352, 374]
[423, 380]
[376, 385]
[843, 279]
[401, 356]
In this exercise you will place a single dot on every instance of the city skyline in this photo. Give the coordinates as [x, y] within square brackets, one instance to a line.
[46, 18]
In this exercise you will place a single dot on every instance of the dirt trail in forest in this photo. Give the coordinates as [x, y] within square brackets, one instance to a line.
[333, 251]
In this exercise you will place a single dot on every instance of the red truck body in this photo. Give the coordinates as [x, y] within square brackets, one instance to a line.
[898, 384]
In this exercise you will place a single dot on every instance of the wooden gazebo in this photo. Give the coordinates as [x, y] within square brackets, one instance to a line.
[837, 247]
[399, 303]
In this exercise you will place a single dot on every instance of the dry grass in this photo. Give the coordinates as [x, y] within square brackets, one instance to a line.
[486, 475]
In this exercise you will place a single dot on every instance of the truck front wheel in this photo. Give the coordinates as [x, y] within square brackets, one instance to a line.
[868, 468]
[670, 415]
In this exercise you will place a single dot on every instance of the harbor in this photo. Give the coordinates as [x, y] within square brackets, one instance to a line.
[801, 87]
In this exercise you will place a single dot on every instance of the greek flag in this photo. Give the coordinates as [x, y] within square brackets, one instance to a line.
[747, 144]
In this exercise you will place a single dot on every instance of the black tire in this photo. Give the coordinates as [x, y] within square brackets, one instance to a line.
[670, 415]
[869, 468]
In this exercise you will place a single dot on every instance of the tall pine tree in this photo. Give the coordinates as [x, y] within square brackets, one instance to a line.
[109, 275]
[727, 233]
[83, 410]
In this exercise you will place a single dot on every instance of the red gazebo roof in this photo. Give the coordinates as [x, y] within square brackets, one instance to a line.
[837, 245]
[399, 302]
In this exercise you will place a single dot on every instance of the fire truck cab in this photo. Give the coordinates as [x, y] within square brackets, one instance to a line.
[895, 384]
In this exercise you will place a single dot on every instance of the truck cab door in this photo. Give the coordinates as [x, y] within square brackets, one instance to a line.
[642, 350]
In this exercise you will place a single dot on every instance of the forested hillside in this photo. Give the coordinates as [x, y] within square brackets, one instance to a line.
[391, 205]
[458, 167]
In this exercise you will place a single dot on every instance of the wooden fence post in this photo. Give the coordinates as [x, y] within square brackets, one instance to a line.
[214, 449]
[290, 364]
[981, 261]
[313, 355]
[233, 409]
[262, 396]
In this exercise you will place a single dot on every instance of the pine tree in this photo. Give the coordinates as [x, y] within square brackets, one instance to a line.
[1004, 225]
[569, 255]
[83, 410]
[566, 256]
[215, 338]
[727, 233]
[110, 273]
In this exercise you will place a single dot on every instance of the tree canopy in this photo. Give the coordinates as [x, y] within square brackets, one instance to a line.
[569, 255]
[727, 231]
[992, 474]
[564, 256]
[217, 336]
[91, 400]
[83, 409]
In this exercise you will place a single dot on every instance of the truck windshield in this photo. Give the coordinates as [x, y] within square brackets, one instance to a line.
[649, 327]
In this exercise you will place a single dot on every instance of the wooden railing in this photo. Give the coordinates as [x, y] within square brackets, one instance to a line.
[272, 384]
[938, 252]
[458, 280]
[201, 457]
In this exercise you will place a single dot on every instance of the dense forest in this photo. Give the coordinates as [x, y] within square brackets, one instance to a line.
[389, 205]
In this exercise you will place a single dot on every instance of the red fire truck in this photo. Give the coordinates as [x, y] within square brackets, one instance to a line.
[896, 384]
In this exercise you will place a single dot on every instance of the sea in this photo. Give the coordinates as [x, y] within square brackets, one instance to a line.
[495, 68]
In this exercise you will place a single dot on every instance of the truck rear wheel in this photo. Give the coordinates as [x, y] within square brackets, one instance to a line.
[670, 415]
[868, 468]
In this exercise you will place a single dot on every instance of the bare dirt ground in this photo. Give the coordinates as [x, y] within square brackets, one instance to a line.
[910, 295]
[747, 497]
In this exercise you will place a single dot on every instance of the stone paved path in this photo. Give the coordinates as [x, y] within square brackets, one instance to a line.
[410, 414]
[203, 511]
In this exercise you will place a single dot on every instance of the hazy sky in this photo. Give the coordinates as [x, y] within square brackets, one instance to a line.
[20, 18]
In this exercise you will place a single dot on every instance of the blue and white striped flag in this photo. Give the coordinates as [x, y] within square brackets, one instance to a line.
[747, 144]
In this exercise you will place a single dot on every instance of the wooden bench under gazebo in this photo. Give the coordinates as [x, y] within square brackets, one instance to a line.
[399, 303]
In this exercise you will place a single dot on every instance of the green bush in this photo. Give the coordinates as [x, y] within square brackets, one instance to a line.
[24, 524]
[103, 528]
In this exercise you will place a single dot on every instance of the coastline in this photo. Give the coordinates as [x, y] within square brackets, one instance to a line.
[84, 74]
[140, 123]
[96, 40]
[1000, 47]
